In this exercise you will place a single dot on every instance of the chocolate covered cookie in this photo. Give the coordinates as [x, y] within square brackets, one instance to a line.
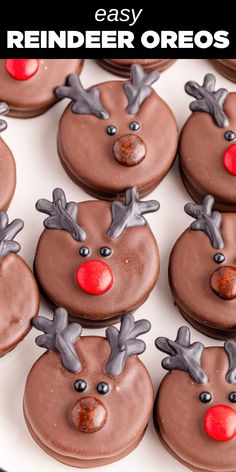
[27, 85]
[226, 67]
[97, 259]
[122, 66]
[19, 295]
[88, 400]
[208, 145]
[194, 413]
[202, 271]
[116, 135]
[7, 166]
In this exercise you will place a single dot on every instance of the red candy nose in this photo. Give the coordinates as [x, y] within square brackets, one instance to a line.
[94, 277]
[230, 159]
[220, 422]
[22, 69]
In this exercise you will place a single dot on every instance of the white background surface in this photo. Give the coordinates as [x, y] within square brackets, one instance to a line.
[33, 142]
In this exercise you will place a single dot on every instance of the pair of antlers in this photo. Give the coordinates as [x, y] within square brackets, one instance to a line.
[60, 336]
[88, 102]
[186, 357]
[63, 215]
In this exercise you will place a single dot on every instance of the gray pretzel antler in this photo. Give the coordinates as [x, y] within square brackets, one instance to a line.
[140, 87]
[123, 343]
[207, 220]
[4, 108]
[7, 233]
[183, 355]
[62, 215]
[130, 213]
[208, 100]
[85, 102]
[230, 349]
[60, 336]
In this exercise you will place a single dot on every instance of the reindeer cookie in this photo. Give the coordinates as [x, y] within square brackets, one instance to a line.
[19, 296]
[7, 166]
[27, 85]
[116, 135]
[208, 145]
[195, 412]
[202, 271]
[97, 259]
[226, 67]
[88, 400]
[122, 66]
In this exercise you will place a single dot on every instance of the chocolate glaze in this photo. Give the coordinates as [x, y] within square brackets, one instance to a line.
[7, 176]
[28, 98]
[50, 396]
[201, 150]
[179, 414]
[122, 66]
[19, 301]
[190, 267]
[134, 262]
[226, 67]
[85, 148]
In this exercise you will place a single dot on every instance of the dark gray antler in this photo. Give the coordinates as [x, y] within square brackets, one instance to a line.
[230, 349]
[7, 233]
[128, 214]
[62, 215]
[208, 100]
[183, 355]
[60, 336]
[140, 87]
[207, 220]
[4, 108]
[85, 102]
[123, 343]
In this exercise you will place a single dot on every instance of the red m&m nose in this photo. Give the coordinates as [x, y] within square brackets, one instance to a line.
[94, 277]
[22, 69]
[220, 422]
[230, 159]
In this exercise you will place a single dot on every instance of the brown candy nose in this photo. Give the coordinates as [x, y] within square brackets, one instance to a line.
[129, 150]
[223, 282]
[89, 415]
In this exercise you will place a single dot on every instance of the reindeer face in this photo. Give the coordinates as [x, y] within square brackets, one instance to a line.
[116, 135]
[105, 270]
[27, 84]
[208, 145]
[90, 417]
[197, 418]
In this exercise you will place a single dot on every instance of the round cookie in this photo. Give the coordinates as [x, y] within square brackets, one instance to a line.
[122, 66]
[226, 67]
[7, 166]
[82, 398]
[19, 295]
[202, 271]
[97, 259]
[116, 135]
[27, 85]
[207, 146]
[194, 412]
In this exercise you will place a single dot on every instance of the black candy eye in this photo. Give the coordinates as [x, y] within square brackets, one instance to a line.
[232, 397]
[230, 135]
[205, 397]
[84, 251]
[111, 130]
[135, 126]
[219, 258]
[80, 385]
[105, 251]
[102, 388]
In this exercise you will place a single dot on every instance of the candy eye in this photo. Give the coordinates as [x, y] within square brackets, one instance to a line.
[135, 126]
[80, 385]
[111, 130]
[205, 397]
[219, 258]
[232, 397]
[105, 251]
[102, 388]
[230, 135]
[84, 251]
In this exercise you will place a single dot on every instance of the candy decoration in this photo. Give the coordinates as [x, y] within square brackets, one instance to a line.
[220, 422]
[22, 69]
[89, 415]
[223, 282]
[129, 150]
[230, 159]
[94, 277]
